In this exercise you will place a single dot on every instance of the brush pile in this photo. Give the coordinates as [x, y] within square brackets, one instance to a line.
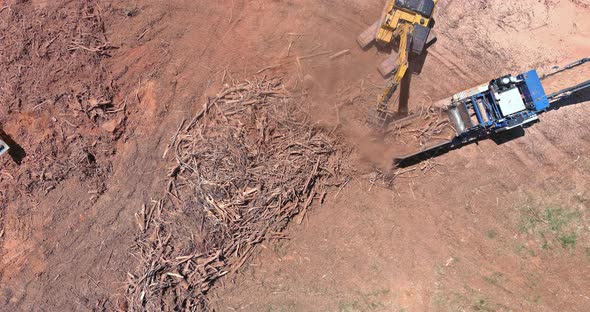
[245, 166]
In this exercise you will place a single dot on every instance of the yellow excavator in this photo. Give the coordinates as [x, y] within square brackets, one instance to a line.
[408, 22]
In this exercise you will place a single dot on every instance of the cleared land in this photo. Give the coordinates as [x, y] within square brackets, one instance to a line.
[95, 93]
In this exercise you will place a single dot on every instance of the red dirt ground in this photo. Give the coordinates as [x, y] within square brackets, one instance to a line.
[487, 227]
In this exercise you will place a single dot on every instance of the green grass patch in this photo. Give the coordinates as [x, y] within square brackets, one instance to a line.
[522, 249]
[349, 307]
[553, 226]
[491, 234]
[482, 305]
[494, 279]
[376, 300]
[551, 219]
[557, 218]
[568, 241]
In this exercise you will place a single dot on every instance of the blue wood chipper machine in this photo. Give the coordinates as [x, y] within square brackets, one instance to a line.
[504, 103]
[3, 147]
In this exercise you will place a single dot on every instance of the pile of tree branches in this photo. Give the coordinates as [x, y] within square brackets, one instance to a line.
[245, 166]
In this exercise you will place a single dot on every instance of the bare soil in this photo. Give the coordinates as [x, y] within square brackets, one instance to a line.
[94, 91]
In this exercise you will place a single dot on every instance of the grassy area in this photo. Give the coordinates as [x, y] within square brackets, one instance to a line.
[494, 278]
[465, 302]
[491, 234]
[553, 227]
[377, 300]
[546, 231]
[482, 305]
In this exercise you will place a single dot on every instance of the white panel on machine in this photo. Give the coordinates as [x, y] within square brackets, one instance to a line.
[3, 147]
[511, 102]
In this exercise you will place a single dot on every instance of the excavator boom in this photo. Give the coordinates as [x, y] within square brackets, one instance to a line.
[409, 21]
[404, 32]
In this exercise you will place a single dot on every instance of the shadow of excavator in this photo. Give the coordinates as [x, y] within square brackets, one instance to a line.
[415, 67]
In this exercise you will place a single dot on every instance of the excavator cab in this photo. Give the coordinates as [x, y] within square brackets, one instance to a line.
[410, 19]
[415, 14]
[422, 7]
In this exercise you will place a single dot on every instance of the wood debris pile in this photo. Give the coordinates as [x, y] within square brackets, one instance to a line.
[424, 126]
[246, 165]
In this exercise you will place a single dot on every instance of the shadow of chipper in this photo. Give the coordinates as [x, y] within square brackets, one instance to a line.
[10, 147]
[500, 110]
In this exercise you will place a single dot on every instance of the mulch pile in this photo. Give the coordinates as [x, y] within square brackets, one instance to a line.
[245, 166]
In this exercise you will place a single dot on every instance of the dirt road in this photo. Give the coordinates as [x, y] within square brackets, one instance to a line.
[486, 228]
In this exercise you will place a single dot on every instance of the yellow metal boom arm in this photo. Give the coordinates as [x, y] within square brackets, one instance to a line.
[404, 32]
[409, 20]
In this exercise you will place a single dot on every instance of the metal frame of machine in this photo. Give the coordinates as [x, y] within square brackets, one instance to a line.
[502, 104]
[3, 147]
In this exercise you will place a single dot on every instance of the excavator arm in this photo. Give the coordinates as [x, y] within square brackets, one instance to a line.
[404, 32]
[409, 20]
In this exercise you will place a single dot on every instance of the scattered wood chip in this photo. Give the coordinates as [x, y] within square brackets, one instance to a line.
[339, 54]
